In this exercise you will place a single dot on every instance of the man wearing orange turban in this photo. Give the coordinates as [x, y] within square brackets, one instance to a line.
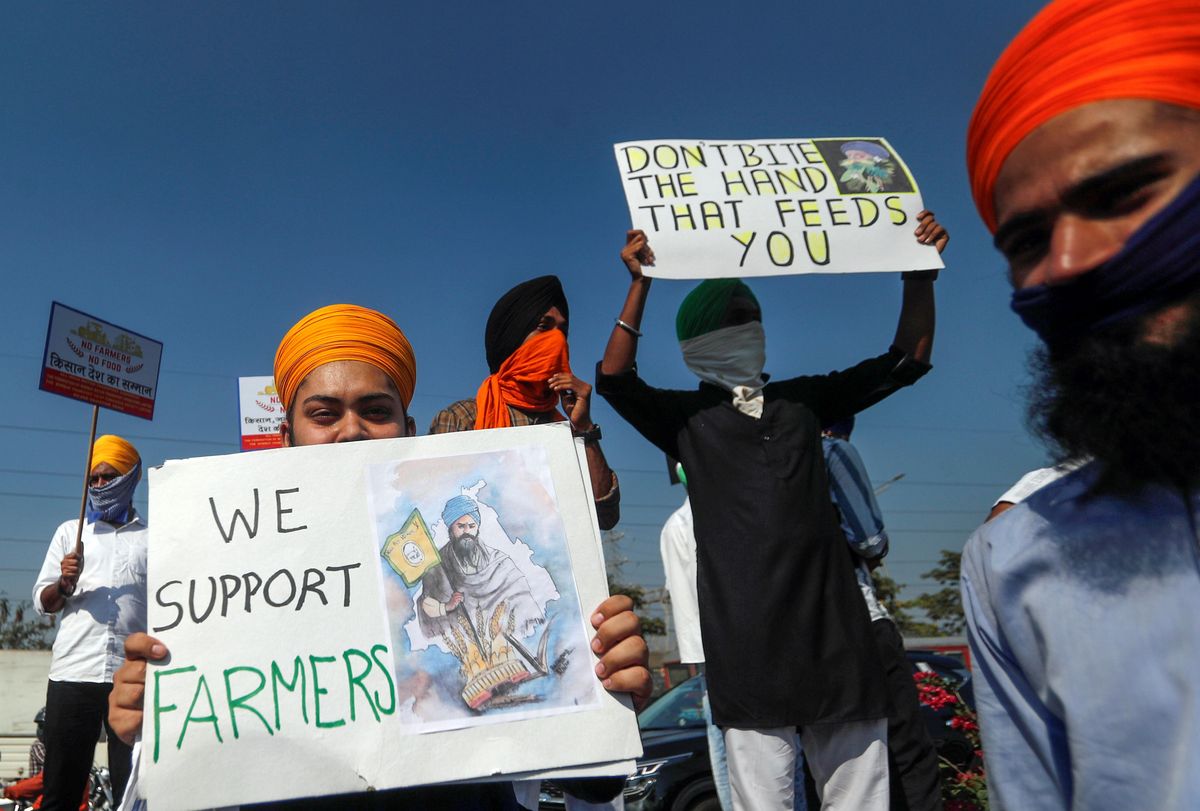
[1081, 601]
[346, 373]
[102, 597]
[526, 345]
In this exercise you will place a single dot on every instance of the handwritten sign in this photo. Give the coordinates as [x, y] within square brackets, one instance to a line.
[100, 363]
[373, 615]
[259, 413]
[722, 209]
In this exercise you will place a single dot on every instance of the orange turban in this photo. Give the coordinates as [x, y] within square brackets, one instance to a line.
[1075, 52]
[344, 332]
[116, 452]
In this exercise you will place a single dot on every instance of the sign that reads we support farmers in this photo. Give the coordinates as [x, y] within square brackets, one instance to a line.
[100, 363]
[260, 413]
[333, 628]
[718, 209]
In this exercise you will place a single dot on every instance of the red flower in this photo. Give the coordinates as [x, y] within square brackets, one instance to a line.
[963, 723]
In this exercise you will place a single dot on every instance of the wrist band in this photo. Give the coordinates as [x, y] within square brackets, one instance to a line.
[632, 330]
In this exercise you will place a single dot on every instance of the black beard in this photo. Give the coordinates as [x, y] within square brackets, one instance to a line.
[1132, 406]
[467, 548]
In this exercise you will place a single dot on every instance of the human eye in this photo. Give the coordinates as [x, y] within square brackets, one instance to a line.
[379, 413]
[1024, 247]
[1124, 190]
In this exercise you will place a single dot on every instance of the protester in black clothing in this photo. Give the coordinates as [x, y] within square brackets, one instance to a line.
[786, 633]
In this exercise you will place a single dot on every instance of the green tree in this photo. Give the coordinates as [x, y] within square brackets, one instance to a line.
[943, 608]
[614, 560]
[887, 590]
[651, 626]
[18, 633]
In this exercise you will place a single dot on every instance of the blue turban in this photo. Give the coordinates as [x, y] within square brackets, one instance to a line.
[874, 150]
[459, 506]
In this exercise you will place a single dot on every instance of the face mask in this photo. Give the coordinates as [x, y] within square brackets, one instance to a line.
[111, 503]
[1159, 264]
[732, 358]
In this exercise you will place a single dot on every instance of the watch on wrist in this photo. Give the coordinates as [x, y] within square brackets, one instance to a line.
[590, 435]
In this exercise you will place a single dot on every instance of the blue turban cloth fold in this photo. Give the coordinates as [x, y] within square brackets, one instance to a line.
[459, 506]
[874, 150]
[517, 314]
[111, 503]
[703, 310]
[1159, 265]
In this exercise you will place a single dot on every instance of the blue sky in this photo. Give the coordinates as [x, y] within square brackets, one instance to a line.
[206, 173]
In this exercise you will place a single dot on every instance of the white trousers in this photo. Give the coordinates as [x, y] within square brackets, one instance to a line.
[848, 762]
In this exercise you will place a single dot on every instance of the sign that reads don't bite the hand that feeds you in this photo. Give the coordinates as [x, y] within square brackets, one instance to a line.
[727, 208]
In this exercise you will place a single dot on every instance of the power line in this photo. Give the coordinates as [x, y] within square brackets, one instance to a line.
[21, 472]
[127, 436]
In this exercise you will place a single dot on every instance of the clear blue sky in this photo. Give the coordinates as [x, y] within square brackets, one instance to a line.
[206, 173]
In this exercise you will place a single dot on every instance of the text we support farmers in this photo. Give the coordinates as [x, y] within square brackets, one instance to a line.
[325, 688]
[780, 203]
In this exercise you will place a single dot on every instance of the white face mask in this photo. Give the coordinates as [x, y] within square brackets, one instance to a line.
[732, 358]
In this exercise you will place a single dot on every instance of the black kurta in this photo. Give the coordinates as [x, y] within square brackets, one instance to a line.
[786, 633]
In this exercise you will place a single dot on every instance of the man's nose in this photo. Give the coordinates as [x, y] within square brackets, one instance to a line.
[351, 428]
[1077, 246]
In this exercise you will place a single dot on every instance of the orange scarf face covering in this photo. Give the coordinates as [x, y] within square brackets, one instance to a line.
[521, 381]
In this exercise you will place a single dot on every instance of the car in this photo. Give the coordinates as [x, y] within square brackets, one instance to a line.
[674, 773]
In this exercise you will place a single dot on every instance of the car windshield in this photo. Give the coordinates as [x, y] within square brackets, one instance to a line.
[681, 706]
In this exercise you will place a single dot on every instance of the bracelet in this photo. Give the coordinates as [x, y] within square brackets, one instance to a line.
[632, 330]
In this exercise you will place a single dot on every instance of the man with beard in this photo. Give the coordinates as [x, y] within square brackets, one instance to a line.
[1082, 600]
[346, 374]
[102, 596]
[786, 635]
[475, 576]
[526, 344]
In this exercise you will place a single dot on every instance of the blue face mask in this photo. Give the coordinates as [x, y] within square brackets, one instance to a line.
[1159, 265]
[111, 503]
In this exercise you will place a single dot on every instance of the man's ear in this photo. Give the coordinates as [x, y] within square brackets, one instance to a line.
[410, 426]
[285, 433]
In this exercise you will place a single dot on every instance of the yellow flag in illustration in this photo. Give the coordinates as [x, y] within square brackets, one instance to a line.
[410, 551]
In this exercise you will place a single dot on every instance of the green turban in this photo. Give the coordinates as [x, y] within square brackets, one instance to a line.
[704, 308]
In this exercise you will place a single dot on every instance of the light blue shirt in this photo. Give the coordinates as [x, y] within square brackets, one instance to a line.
[1084, 622]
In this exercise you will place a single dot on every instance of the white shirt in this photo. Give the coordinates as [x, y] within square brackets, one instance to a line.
[109, 602]
[678, 548]
[1035, 480]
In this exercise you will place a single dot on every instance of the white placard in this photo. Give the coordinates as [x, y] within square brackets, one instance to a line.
[101, 363]
[287, 586]
[259, 413]
[767, 207]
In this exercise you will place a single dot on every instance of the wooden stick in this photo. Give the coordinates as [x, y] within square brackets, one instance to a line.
[87, 474]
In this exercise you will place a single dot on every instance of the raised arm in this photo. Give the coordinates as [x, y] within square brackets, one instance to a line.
[914, 333]
[621, 352]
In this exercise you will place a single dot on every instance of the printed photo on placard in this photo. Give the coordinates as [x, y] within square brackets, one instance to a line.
[485, 619]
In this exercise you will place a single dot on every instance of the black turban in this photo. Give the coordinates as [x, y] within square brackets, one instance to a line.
[516, 315]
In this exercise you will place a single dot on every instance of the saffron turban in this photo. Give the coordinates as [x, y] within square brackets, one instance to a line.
[344, 332]
[703, 310]
[113, 450]
[1075, 52]
[516, 315]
